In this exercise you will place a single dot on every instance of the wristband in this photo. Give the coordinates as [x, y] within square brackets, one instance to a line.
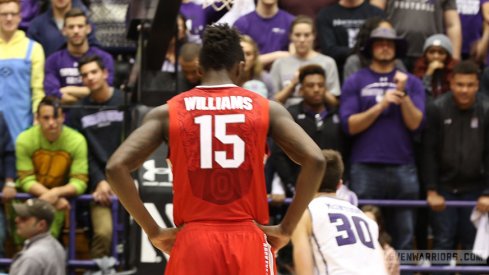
[10, 184]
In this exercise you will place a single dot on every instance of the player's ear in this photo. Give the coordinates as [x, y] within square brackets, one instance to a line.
[340, 183]
[238, 73]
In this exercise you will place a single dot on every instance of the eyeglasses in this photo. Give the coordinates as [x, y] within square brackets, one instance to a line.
[6, 14]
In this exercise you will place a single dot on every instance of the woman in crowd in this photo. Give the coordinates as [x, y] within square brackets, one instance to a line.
[255, 79]
[178, 40]
[285, 70]
[436, 64]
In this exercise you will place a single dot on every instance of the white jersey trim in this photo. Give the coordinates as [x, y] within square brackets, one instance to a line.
[216, 86]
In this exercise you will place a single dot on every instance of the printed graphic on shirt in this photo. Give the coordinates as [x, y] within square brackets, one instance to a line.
[378, 89]
[417, 5]
[468, 7]
[352, 26]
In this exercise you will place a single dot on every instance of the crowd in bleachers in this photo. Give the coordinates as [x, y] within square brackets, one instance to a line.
[398, 87]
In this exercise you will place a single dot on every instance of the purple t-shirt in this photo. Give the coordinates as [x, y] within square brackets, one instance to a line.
[61, 69]
[270, 34]
[470, 12]
[387, 140]
[196, 18]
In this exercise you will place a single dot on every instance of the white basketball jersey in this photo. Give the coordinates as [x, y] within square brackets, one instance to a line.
[344, 240]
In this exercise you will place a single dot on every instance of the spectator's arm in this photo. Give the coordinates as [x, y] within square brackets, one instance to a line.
[37, 75]
[411, 99]
[268, 58]
[70, 93]
[360, 122]
[332, 77]
[411, 115]
[454, 31]
[24, 165]
[303, 258]
[479, 52]
[287, 91]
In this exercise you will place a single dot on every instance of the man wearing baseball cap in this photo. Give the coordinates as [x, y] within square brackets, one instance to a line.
[381, 109]
[42, 254]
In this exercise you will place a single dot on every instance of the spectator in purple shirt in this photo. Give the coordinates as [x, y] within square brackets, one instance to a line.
[269, 27]
[474, 17]
[62, 78]
[381, 108]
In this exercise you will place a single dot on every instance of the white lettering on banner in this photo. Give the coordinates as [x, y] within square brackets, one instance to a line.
[218, 103]
[102, 118]
[149, 253]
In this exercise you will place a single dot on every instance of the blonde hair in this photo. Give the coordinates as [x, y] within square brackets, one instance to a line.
[257, 68]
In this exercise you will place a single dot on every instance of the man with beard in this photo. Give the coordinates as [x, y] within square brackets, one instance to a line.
[62, 78]
[381, 109]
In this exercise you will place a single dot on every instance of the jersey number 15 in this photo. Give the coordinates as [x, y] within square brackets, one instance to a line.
[206, 151]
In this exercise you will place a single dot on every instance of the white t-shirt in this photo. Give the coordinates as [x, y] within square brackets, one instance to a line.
[344, 240]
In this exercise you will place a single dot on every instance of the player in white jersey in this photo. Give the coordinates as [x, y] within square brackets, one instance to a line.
[333, 236]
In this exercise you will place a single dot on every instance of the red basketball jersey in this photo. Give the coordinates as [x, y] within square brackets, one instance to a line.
[217, 149]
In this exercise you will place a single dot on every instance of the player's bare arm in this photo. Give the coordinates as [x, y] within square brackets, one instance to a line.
[130, 156]
[302, 149]
[303, 258]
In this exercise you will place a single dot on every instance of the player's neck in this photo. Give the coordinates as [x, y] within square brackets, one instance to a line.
[212, 77]
[7, 36]
[326, 194]
[350, 3]
[265, 10]
[78, 50]
[102, 95]
[382, 67]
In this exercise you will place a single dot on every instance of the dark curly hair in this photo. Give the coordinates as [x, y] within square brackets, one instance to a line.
[221, 48]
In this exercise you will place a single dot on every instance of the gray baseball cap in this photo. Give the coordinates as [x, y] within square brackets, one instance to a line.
[35, 208]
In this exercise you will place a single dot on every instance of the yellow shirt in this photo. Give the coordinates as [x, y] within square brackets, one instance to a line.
[17, 48]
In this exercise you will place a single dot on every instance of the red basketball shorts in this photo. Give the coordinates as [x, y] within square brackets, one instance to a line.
[221, 248]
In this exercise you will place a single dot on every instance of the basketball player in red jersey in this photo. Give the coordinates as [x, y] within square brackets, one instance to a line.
[216, 135]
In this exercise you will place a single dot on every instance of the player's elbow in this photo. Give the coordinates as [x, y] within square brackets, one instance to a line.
[114, 167]
[316, 160]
